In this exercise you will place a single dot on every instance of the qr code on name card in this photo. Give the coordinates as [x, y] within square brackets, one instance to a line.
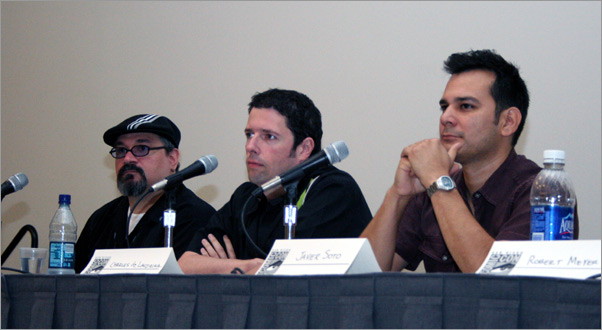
[273, 262]
[501, 263]
[98, 264]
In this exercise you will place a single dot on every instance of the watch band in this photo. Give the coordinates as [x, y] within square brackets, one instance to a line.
[445, 183]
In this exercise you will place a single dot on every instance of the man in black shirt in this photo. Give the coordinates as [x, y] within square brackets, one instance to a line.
[284, 129]
[145, 148]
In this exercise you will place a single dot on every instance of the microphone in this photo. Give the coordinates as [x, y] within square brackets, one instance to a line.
[203, 165]
[332, 154]
[14, 183]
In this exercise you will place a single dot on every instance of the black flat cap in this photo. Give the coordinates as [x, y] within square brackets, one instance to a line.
[159, 125]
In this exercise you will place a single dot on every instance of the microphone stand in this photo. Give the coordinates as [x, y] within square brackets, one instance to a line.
[169, 219]
[290, 211]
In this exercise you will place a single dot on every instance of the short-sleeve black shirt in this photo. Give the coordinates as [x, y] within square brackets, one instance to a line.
[334, 207]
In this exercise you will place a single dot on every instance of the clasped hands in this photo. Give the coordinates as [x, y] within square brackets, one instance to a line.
[421, 164]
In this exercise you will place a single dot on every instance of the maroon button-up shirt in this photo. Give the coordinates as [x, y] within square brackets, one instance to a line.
[501, 207]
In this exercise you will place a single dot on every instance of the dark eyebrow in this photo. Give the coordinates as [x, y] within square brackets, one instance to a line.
[460, 100]
[467, 98]
[264, 131]
[120, 143]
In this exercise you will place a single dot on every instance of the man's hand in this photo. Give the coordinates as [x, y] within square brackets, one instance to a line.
[212, 248]
[421, 164]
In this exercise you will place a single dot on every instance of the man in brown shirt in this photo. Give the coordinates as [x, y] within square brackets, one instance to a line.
[449, 215]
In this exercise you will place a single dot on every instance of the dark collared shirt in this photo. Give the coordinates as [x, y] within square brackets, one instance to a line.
[501, 207]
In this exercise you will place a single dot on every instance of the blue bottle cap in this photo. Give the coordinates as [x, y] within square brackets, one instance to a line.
[64, 199]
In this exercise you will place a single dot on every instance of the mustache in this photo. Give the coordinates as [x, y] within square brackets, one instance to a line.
[130, 167]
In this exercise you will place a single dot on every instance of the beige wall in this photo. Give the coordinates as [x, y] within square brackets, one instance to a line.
[70, 70]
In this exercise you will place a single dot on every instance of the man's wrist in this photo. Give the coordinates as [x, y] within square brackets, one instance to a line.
[443, 183]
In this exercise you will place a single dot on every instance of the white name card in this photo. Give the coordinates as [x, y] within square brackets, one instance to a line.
[133, 261]
[320, 256]
[578, 259]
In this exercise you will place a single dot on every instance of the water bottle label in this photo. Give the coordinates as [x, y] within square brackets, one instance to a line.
[551, 222]
[62, 255]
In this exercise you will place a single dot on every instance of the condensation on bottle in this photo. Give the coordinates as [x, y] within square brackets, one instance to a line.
[553, 200]
[62, 237]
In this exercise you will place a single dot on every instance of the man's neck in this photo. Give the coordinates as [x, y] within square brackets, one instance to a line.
[146, 203]
[478, 172]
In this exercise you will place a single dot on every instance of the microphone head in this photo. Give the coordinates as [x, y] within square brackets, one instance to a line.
[336, 152]
[19, 181]
[210, 163]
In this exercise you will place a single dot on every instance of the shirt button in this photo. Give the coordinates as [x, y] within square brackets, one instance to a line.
[444, 258]
[477, 195]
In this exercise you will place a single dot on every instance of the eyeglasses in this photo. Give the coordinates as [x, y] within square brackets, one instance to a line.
[138, 151]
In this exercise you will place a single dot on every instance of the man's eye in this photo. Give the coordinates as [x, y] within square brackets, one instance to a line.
[248, 135]
[467, 106]
[269, 137]
[443, 107]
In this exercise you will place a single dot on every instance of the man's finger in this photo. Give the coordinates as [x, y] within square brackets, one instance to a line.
[229, 247]
[217, 246]
[453, 151]
[209, 248]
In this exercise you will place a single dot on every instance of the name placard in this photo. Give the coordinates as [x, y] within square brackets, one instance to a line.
[320, 256]
[133, 261]
[578, 259]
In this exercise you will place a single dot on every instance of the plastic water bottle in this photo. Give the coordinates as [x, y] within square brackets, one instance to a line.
[63, 234]
[552, 200]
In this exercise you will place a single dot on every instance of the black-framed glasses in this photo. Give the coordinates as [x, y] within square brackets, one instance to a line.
[140, 150]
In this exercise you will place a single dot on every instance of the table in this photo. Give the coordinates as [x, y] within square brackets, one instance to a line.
[380, 300]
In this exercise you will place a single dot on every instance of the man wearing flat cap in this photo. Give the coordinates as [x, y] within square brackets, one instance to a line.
[145, 148]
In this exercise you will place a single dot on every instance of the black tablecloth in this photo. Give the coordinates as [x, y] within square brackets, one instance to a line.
[383, 300]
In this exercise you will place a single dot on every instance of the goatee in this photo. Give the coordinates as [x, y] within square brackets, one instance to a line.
[127, 186]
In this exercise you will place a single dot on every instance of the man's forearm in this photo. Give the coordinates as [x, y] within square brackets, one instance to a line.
[382, 230]
[194, 263]
[465, 238]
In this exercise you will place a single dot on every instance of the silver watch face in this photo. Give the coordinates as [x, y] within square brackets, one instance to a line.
[447, 183]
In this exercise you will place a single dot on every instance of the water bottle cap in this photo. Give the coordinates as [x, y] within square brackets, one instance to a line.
[553, 156]
[64, 199]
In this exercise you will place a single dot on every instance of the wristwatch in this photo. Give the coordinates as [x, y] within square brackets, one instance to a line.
[444, 183]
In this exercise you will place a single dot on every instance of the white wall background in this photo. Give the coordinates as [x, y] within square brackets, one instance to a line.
[70, 70]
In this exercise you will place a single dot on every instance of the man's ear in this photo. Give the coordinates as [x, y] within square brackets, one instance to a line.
[174, 159]
[509, 121]
[305, 148]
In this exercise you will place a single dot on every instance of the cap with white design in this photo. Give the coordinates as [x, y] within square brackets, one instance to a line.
[146, 123]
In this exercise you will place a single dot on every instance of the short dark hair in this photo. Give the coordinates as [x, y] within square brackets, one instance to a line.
[508, 89]
[302, 117]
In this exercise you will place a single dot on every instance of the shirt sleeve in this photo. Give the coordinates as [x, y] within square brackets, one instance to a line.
[334, 207]
[408, 238]
[192, 215]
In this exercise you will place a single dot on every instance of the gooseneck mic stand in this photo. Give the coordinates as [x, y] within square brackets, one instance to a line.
[290, 211]
[169, 220]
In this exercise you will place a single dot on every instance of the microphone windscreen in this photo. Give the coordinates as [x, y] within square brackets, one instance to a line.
[210, 162]
[19, 181]
[336, 152]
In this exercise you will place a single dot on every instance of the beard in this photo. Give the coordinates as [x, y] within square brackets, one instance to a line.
[127, 186]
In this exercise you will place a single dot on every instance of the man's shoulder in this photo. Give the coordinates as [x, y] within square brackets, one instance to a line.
[331, 173]
[112, 205]
[520, 168]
